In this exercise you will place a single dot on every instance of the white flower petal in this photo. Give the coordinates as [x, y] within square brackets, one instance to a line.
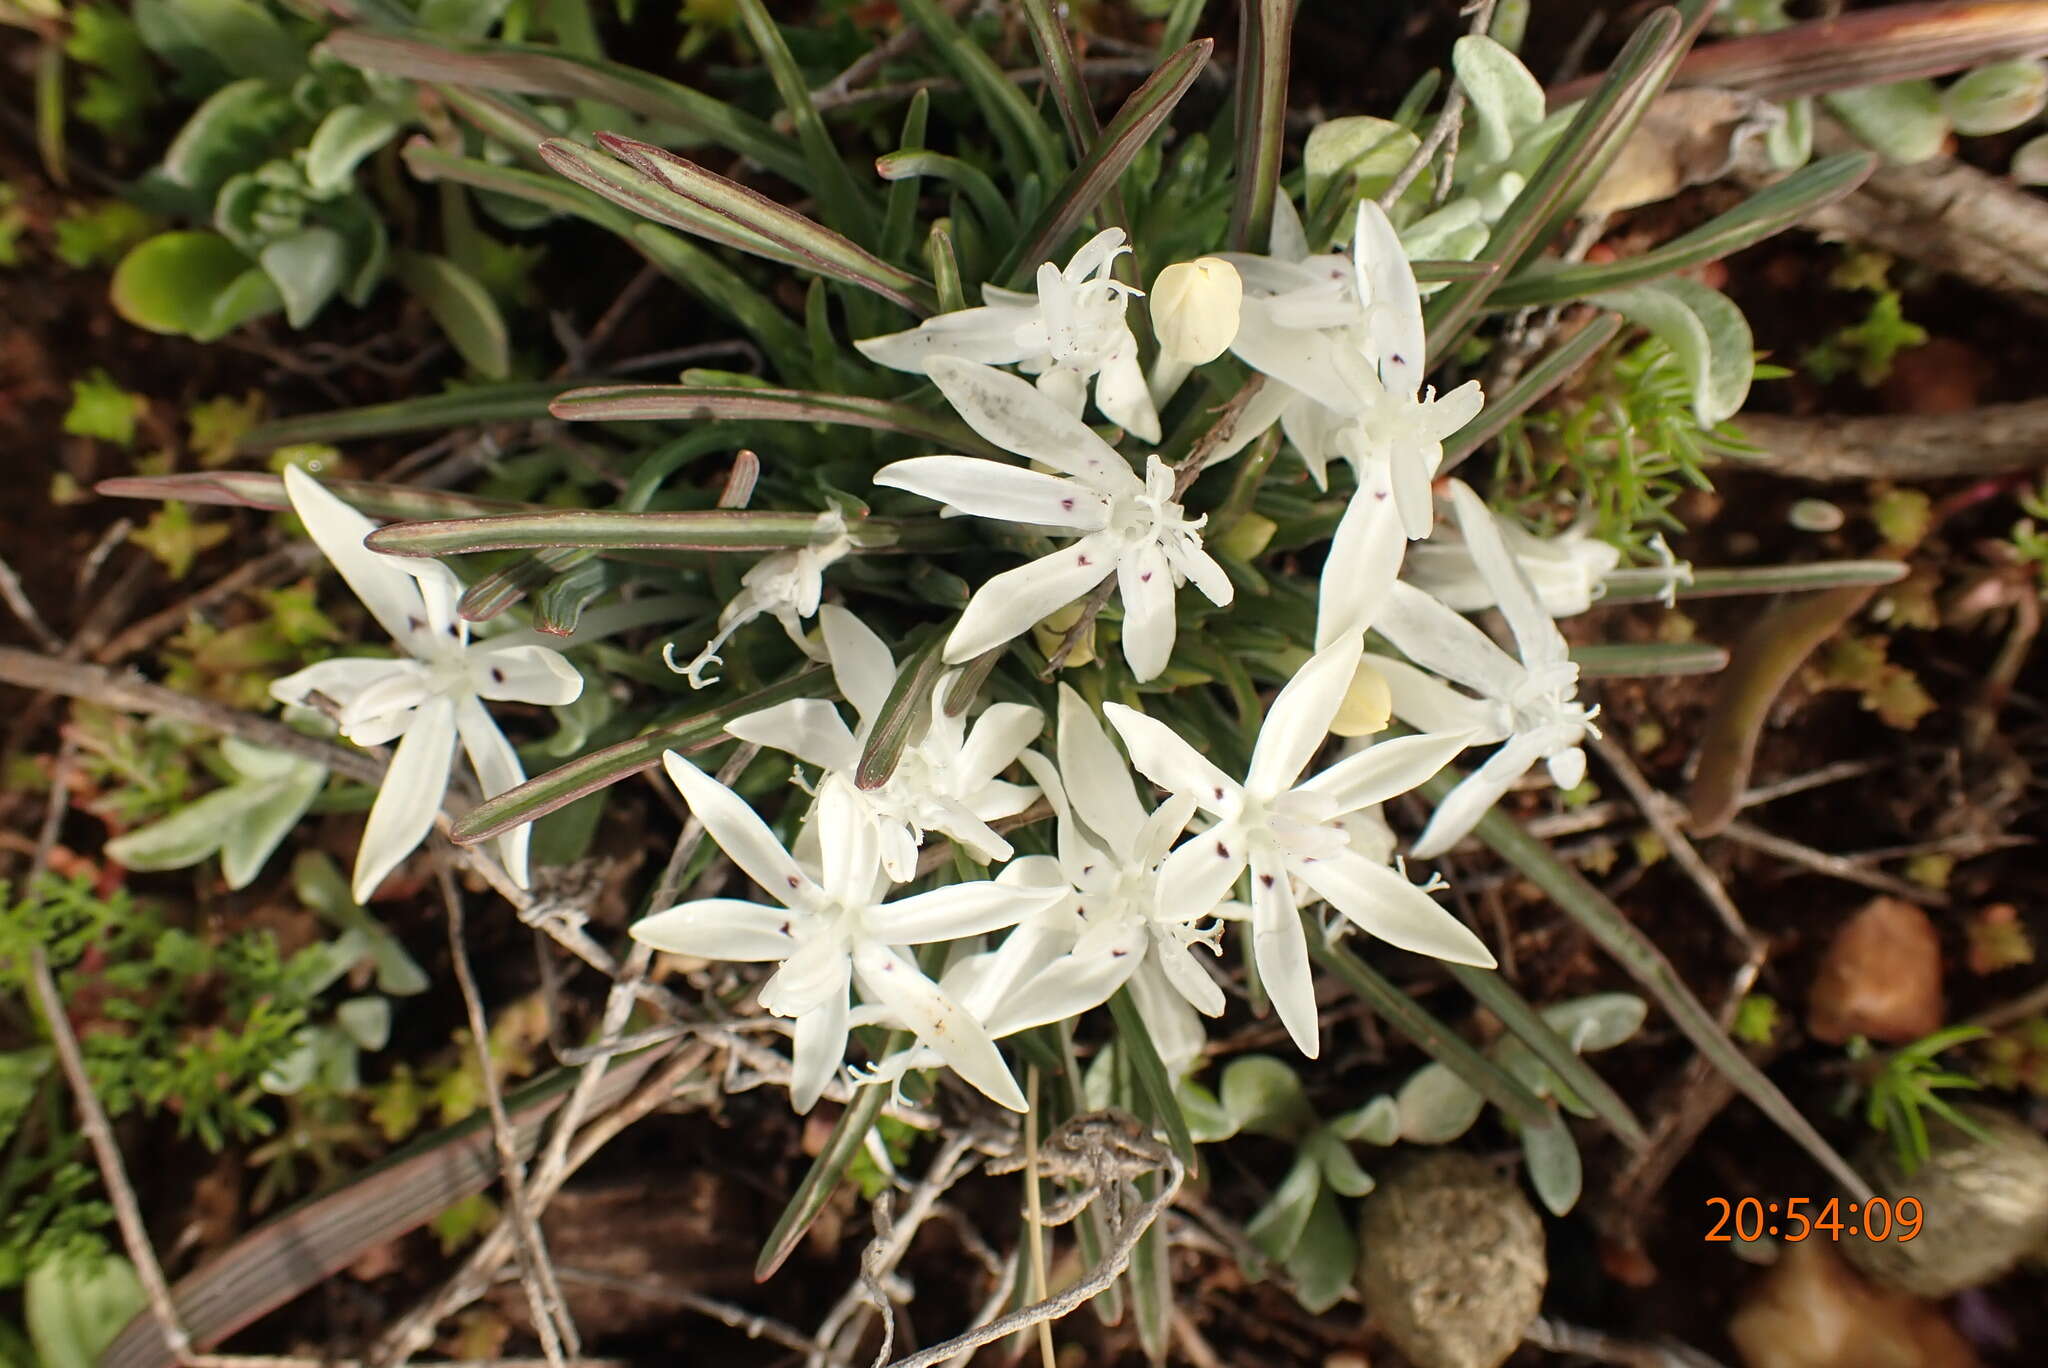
[1428, 704]
[1446, 643]
[850, 841]
[497, 770]
[1177, 964]
[810, 729]
[1197, 877]
[986, 334]
[1096, 780]
[1200, 569]
[956, 912]
[524, 674]
[820, 1046]
[409, 798]
[1169, 1017]
[1393, 312]
[1007, 605]
[1280, 949]
[993, 744]
[1121, 393]
[740, 833]
[1464, 805]
[1385, 769]
[1364, 559]
[1101, 963]
[1536, 634]
[1298, 720]
[1382, 903]
[1016, 417]
[1162, 755]
[1567, 767]
[938, 1022]
[718, 929]
[861, 663]
[990, 489]
[340, 680]
[1304, 359]
[1145, 582]
[382, 583]
[1288, 240]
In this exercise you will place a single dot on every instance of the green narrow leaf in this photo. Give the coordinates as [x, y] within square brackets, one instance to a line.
[462, 307]
[1428, 1034]
[1764, 214]
[1120, 143]
[601, 768]
[899, 216]
[845, 207]
[1155, 1085]
[700, 403]
[1602, 123]
[826, 1171]
[502, 588]
[909, 703]
[743, 218]
[251, 489]
[1636, 659]
[1063, 71]
[559, 607]
[1011, 115]
[529, 70]
[981, 192]
[706, 530]
[519, 401]
[1646, 964]
[1554, 368]
[1527, 1025]
[938, 250]
[1642, 585]
[1265, 40]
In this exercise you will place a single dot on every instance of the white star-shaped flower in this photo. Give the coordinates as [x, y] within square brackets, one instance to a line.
[428, 700]
[945, 781]
[1069, 333]
[1125, 526]
[1531, 703]
[832, 932]
[1565, 570]
[1285, 828]
[786, 586]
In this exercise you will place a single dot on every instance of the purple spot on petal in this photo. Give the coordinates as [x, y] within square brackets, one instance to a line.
[497, 675]
[1223, 850]
[1083, 561]
[1266, 880]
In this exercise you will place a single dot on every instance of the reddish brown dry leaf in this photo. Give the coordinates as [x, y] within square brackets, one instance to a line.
[1813, 1311]
[1881, 977]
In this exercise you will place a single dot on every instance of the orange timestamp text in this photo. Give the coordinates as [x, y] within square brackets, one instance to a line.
[1801, 1218]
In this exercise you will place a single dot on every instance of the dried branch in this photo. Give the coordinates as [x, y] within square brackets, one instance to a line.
[1905, 447]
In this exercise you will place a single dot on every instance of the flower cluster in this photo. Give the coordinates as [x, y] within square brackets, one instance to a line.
[1140, 884]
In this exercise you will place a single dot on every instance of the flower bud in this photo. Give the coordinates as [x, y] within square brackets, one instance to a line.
[1195, 307]
[1368, 704]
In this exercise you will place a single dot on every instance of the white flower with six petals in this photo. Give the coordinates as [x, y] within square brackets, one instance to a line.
[1125, 526]
[427, 700]
[786, 586]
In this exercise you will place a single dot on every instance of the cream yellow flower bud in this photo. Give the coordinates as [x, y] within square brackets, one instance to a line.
[1368, 704]
[1195, 306]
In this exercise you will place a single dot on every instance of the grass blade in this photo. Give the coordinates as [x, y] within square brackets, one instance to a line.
[1265, 40]
[251, 489]
[909, 700]
[1639, 659]
[846, 1140]
[500, 589]
[1527, 1025]
[601, 768]
[1011, 115]
[705, 530]
[843, 202]
[1764, 214]
[744, 216]
[1645, 963]
[527, 70]
[1154, 1084]
[1120, 143]
[1056, 53]
[1431, 1036]
[520, 401]
[702, 403]
[1642, 585]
